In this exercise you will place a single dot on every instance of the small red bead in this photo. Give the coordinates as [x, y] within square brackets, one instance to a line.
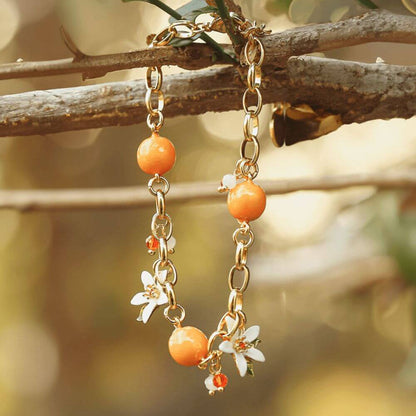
[220, 380]
[152, 243]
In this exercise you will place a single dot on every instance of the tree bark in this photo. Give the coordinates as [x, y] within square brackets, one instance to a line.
[358, 92]
[374, 26]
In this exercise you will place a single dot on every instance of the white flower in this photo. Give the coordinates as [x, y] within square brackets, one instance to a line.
[153, 294]
[242, 347]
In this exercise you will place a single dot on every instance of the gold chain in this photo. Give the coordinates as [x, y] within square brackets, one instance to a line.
[184, 29]
[246, 167]
[232, 323]
[161, 225]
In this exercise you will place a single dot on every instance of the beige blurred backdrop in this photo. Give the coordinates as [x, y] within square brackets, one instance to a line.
[332, 272]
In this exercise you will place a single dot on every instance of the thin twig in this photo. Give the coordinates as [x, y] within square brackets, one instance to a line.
[135, 197]
[375, 26]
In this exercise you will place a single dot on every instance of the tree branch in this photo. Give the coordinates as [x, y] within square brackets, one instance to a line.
[134, 197]
[358, 92]
[374, 26]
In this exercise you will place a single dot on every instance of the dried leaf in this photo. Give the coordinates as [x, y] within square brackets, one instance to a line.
[293, 124]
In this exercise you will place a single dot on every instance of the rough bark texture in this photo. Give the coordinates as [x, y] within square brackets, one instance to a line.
[375, 26]
[359, 92]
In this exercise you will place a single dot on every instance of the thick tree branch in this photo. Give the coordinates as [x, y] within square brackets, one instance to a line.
[375, 26]
[134, 197]
[358, 92]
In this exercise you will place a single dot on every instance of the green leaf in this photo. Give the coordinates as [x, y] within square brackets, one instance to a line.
[178, 43]
[190, 11]
[283, 4]
[368, 3]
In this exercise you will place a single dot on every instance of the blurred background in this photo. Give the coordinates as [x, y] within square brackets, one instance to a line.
[332, 272]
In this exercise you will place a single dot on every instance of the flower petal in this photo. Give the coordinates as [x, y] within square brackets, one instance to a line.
[255, 354]
[241, 363]
[252, 333]
[147, 311]
[230, 322]
[147, 279]
[139, 299]
[227, 346]
[161, 277]
[162, 299]
[171, 244]
[209, 383]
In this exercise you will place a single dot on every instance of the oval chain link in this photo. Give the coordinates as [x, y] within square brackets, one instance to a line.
[155, 116]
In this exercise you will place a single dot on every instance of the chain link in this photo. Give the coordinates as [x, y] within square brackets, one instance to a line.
[155, 116]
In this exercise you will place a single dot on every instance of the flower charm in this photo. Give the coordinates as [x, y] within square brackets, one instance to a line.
[216, 382]
[242, 346]
[228, 182]
[153, 295]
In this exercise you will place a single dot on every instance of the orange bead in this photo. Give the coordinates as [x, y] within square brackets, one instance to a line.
[156, 154]
[220, 380]
[246, 201]
[152, 243]
[188, 345]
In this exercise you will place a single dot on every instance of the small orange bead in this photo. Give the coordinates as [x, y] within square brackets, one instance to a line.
[220, 380]
[152, 243]
[188, 345]
[246, 201]
[156, 154]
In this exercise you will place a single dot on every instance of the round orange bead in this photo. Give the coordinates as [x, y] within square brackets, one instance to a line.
[246, 201]
[188, 345]
[156, 154]
[220, 380]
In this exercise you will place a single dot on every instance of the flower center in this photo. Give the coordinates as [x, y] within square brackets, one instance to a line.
[241, 345]
[152, 292]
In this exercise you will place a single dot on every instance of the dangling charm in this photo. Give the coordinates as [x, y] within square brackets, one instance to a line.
[228, 182]
[188, 346]
[152, 244]
[242, 345]
[153, 295]
[246, 201]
